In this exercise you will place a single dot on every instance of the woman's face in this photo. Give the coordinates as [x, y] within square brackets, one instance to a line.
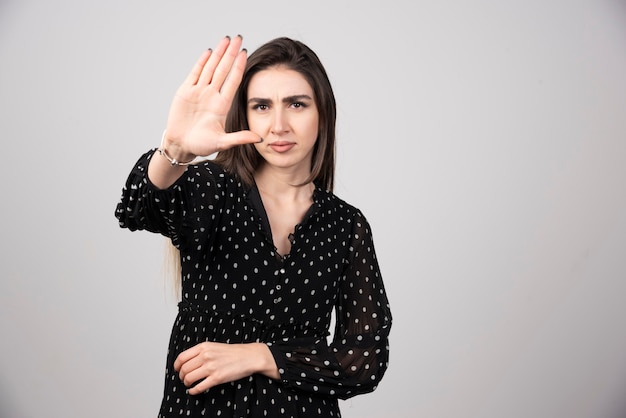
[281, 109]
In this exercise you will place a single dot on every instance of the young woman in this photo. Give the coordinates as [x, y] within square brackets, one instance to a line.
[267, 251]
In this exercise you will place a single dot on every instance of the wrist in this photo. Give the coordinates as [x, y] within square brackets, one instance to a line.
[265, 363]
[174, 153]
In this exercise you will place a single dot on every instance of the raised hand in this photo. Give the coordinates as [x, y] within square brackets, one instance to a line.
[198, 112]
[197, 117]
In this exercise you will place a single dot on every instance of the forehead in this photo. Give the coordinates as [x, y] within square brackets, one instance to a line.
[278, 82]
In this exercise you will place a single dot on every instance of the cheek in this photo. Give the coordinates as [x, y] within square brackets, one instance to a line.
[254, 124]
[314, 129]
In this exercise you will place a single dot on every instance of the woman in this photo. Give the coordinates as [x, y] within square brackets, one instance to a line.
[267, 251]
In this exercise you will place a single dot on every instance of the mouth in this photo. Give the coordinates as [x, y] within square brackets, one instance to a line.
[282, 146]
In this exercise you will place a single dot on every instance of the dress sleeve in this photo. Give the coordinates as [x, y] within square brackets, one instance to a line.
[358, 357]
[170, 211]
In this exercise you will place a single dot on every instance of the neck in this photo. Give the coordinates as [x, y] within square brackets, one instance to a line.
[283, 183]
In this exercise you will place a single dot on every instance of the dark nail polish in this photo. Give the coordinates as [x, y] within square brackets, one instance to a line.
[227, 37]
[244, 50]
[261, 140]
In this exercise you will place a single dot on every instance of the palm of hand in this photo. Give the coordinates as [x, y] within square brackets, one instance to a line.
[198, 114]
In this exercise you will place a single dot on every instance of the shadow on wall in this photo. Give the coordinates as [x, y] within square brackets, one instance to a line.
[4, 4]
[7, 406]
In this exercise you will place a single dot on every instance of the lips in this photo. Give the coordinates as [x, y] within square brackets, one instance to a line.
[282, 146]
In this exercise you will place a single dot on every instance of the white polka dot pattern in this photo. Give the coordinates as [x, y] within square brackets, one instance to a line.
[237, 289]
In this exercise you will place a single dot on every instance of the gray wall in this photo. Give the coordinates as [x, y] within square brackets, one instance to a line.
[485, 141]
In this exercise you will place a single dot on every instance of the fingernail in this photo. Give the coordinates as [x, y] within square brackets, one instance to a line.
[210, 49]
[260, 140]
[227, 37]
[244, 50]
[240, 36]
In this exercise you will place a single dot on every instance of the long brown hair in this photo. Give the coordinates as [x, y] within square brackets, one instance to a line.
[244, 160]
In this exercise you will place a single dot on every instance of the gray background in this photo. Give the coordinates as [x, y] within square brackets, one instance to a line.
[485, 141]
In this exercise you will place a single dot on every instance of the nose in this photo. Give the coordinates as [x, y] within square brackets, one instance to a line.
[279, 123]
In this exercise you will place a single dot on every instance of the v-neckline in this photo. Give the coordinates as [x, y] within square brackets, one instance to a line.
[255, 197]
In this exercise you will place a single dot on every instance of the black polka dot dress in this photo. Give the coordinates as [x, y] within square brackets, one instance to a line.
[237, 289]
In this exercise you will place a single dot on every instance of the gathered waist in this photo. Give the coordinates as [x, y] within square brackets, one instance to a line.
[201, 323]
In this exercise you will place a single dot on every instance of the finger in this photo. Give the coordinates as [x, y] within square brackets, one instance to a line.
[234, 139]
[216, 56]
[233, 80]
[203, 386]
[185, 356]
[193, 76]
[226, 63]
[194, 376]
[189, 367]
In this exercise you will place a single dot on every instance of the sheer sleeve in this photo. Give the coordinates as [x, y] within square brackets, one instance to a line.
[170, 211]
[358, 357]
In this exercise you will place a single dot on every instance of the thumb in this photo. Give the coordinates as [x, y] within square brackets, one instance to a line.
[233, 139]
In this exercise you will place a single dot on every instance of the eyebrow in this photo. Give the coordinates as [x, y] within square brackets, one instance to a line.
[288, 99]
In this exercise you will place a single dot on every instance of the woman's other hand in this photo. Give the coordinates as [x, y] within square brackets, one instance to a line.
[210, 364]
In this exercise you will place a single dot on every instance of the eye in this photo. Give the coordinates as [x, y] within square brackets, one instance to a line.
[299, 105]
[260, 106]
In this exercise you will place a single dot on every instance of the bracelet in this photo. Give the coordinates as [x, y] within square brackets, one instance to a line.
[173, 161]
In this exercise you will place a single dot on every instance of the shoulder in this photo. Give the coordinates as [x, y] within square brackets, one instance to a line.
[333, 204]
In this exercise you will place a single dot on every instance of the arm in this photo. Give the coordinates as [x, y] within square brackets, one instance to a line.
[357, 359]
[170, 212]
[152, 199]
[209, 364]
